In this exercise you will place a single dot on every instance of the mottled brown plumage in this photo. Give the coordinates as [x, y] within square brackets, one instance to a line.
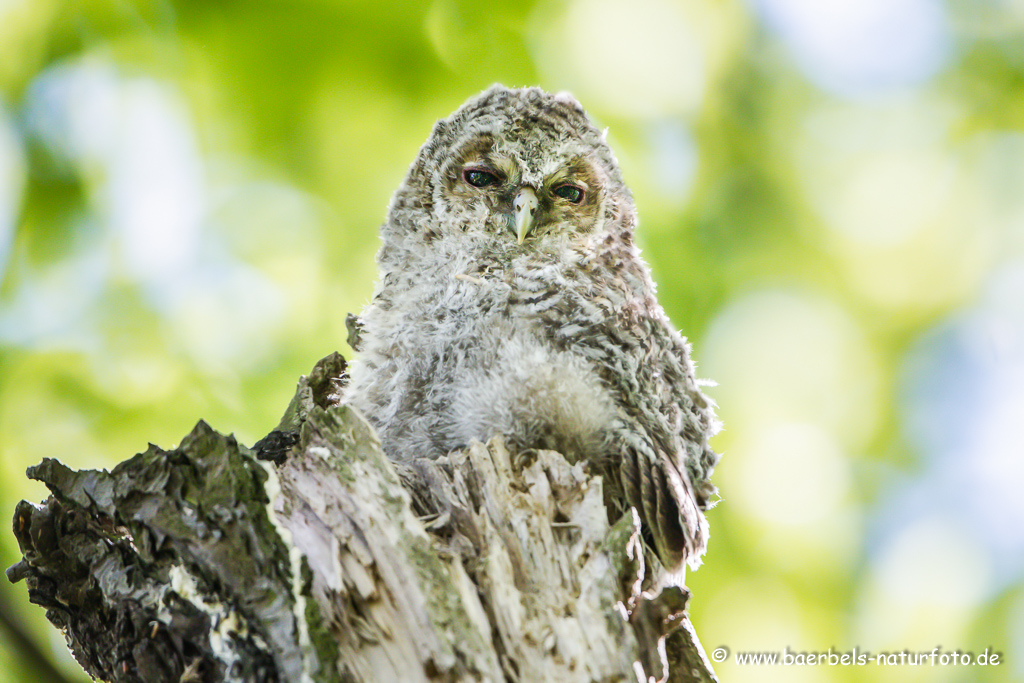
[513, 300]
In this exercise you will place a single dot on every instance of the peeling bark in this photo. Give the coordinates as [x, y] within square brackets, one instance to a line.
[210, 562]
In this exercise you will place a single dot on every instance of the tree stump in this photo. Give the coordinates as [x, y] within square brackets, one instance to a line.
[314, 558]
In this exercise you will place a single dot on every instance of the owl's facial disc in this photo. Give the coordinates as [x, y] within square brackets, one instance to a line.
[517, 190]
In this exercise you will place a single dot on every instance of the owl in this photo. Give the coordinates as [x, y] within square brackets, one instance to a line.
[512, 300]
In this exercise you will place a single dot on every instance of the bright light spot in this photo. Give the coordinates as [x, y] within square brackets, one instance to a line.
[904, 212]
[784, 357]
[644, 58]
[964, 405]
[924, 585]
[934, 560]
[55, 310]
[72, 109]
[10, 5]
[248, 218]
[879, 176]
[999, 461]
[671, 159]
[650, 58]
[862, 47]
[223, 313]
[155, 183]
[892, 197]
[12, 181]
[789, 474]
[132, 143]
[788, 485]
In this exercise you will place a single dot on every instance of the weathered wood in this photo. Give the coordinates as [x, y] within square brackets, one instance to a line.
[166, 568]
[203, 563]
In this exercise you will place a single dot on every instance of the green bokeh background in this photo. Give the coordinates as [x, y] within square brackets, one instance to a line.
[189, 201]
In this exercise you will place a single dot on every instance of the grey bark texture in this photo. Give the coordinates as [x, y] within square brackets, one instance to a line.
[313, 557]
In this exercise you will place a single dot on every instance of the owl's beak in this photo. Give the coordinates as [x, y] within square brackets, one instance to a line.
[523, 208]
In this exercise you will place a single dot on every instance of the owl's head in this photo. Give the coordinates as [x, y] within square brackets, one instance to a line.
[514, 169]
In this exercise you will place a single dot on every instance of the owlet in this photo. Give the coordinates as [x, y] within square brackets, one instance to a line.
[513, 300]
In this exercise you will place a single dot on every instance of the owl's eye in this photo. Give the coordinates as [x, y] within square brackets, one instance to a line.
[570, 192]
[477, 177]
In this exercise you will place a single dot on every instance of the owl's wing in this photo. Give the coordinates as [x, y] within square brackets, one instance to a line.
[666, 460]
[662, 494]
